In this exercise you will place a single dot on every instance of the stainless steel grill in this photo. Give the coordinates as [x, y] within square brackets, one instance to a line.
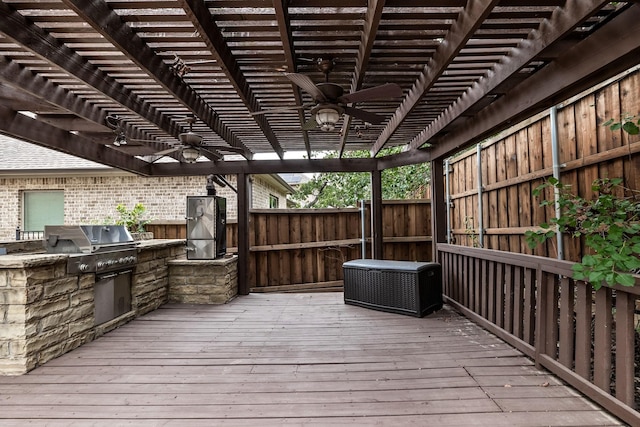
[92, 248]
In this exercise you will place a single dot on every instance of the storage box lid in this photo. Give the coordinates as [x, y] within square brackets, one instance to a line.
[383, 264]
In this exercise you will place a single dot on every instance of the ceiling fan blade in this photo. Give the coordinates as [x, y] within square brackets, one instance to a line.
[365, 116]
[385, 91]
[224, 148]
[168, 151]
[228, 148]
[210, 154]
[305, 83]
[310, 124]
[279, 110]
[135, 150]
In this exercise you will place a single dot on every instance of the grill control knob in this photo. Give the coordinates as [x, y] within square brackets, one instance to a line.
[101, 264]
[83, 267]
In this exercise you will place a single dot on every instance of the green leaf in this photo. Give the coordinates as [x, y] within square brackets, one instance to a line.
[631, 263]
[578, 275]
[631, 128]
[596, 277]
[626, 279]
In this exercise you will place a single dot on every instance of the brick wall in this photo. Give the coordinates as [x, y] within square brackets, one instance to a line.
[260, 192]
[89, 200]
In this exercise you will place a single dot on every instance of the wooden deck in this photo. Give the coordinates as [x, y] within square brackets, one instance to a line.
[293, 359]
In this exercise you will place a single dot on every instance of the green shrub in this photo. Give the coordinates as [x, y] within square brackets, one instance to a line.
[132, 219]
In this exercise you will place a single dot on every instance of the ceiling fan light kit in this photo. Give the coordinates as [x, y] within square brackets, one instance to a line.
[327, 119]
[190, 154]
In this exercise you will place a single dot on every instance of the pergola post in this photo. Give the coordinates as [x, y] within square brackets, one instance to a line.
[376, 215]
[438, 208]
[244, 203]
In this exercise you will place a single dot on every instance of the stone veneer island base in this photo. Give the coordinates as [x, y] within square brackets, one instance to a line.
[203, 281]
[46, 312]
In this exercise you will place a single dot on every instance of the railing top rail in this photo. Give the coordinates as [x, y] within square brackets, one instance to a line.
[548, 265]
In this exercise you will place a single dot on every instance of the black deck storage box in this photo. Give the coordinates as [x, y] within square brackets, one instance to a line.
[404, 287]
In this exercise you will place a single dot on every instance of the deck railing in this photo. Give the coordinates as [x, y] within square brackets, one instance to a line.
[585, 337]
[28, 234]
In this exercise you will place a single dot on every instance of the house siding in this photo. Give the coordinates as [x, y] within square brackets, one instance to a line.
[90, 199]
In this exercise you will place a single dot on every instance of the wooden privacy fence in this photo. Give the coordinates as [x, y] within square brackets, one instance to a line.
[586, 338]
[302, 249]
[503, 173]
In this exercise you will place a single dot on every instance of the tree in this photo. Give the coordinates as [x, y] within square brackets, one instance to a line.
[341, 189]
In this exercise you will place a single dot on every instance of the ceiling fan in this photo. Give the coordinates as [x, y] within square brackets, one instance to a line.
[330, 101]
[192, 146]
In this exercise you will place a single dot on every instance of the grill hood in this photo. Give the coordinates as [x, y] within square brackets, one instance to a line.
[88, 239]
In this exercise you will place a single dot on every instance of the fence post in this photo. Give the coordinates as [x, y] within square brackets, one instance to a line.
[555, 155]
[480, 205]
[377, 238]
[362, 229]
[447, 199]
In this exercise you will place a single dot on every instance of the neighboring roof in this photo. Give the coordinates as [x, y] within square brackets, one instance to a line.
[295, 178]
[20, 156]
[277, 181]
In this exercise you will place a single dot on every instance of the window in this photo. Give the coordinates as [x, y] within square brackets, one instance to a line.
[42, 208]
[273, 202]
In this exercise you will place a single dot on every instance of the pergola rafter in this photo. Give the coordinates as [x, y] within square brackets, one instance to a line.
[562, 21]
[205, 24]
[367, 39]
[110, 25]
[280, 8]
[570, 73]
[153, 62]
[461, 31]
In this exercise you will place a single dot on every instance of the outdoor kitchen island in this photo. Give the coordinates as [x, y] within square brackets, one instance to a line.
[46, 311]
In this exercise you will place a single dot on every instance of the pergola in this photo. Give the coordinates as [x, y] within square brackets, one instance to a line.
[117, 81]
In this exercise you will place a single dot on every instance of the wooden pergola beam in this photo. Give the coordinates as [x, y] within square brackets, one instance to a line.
[108, 23]
[461, 31]
[43, 44]
[562, 21]
[45, 92]
[205, 24]
[25, 128]
[612, 49]
[266, 166]
[367, 38]
[284, 26]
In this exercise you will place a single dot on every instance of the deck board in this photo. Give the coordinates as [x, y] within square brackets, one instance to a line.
[293, 359]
